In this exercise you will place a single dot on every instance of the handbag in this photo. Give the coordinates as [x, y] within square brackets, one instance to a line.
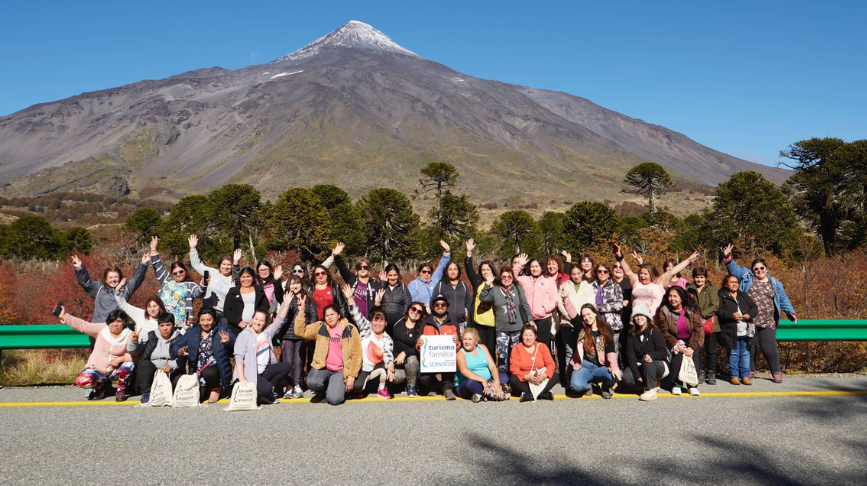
[687, 372]
[186, 392]
[161, 390]
[243, 397]
[708, 326]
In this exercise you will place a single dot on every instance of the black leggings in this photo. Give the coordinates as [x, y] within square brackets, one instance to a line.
[272, 379]
[767, 339]
[649, 373]
[146, 370]
[710, 351]
[519, 387]
[543, 330]
[566, 338]
[676, 360]
[488, 336]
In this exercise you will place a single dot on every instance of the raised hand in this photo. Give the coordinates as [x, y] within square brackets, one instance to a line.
[236, 256]
[383, 276]
[567, 256]
[120, 286]
[728, 250]
[377, 298]
[346, 289]
[154, 242]
[302, 301]
[471, 245]
[523, 258]
[693, 257]
[194, 241]
[224, 337]
[489, 280]
[184, 351]
[135, 334]
[62, 313]
[446, 247]
[76, 262]
[616, 249]
[338, 249]
[146, 258]
[638, 258]
[278, 272]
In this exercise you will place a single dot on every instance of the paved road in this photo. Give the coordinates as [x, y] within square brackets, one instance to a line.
[748, 437]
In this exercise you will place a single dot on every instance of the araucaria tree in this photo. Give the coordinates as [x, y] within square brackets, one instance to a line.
[650, 180]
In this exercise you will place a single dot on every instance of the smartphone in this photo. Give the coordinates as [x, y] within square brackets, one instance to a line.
[206, 276]
[57, 309]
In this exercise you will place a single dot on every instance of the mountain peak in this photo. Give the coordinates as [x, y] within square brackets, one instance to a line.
[353, 34]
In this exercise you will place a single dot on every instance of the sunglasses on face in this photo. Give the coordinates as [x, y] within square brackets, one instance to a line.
[602, 272]
[759, 269]
[178, 272]
[363, 267]
[297, 270]
[425, 271]
[440, 304]
[415, 309]
[319, 274]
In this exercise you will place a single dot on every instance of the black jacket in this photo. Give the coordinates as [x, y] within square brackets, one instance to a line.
[395, 303]
[310, 316]
[727, 308]
[406, 339]
[459, 297]
[653, 345]
[351, 279]
[233, 309]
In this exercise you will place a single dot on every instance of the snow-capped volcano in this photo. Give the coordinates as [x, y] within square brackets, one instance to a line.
[353, 34]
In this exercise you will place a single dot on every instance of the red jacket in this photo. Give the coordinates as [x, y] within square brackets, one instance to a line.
[432, 328]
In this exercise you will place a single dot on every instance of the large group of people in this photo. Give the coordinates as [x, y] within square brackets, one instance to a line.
[519, 329]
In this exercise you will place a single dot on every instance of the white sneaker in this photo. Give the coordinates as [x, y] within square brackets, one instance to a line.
[676, 391]
[648, 395]
[694, 392]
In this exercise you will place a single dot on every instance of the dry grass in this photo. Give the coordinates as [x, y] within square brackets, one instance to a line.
[42, 367]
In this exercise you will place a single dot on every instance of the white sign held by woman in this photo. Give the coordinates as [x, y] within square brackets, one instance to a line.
[438, 354]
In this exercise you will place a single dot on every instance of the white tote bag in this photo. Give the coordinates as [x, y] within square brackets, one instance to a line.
[687, 373]
[187, 392]
[243, 397]
[536, 390]
[161, 390]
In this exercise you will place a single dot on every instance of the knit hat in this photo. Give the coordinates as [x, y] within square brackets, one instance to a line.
[640, 310]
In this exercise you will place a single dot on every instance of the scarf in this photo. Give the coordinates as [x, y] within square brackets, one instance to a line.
[511, 309]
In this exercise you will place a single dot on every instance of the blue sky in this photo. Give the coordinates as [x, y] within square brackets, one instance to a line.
[746, 78]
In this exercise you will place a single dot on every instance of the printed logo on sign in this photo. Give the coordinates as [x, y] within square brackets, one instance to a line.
[438, 354]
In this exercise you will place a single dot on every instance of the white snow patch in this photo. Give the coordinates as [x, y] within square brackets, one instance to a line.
[458, 79]
[285, 74]
[268, 72]
[354, 34]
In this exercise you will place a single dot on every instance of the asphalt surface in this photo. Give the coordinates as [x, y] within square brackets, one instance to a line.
[809, 430]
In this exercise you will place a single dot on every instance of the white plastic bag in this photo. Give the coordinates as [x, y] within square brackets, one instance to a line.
[187, 392]
[687, 373]
[536, 390]
[161, 390]
[243, 397]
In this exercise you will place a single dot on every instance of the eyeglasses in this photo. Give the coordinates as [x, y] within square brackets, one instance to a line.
[505, 276]
[415, 309]
[363, 267]
[759, 269]
[602, 272]
[297, 270]
[440, 304]
[425, 271]
[179, 272]
[319, 274]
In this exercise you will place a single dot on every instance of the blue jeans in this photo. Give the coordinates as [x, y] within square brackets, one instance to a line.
[590, 372]
[739, 358]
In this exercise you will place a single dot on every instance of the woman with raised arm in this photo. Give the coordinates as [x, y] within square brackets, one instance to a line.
[243, 301]
[219, 280]
[458, 295]
[707, 298]
[397, 299]
[422, 288]
[737, 311]
[578, 291]
[207, 347]
[270, 279]
[679, 319]
[363, 285]
[647, 284]
[337, 356]
[608, 299]
[406, 333]
[531, 363]
[482, 316]
[255, 361]
[646, 355]
[596, 356]
[511, 310]
[292, 347]
[154, 351]
[771, 299]
[177, 291]
[676, 277]
[478, 379]
[542, 295]
[377, 347]
[103, 292]
[109, 359]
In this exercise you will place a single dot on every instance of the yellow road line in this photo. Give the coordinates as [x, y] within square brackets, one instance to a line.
[439, 398]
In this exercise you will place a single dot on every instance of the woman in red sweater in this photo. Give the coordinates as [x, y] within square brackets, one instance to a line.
[533, 371]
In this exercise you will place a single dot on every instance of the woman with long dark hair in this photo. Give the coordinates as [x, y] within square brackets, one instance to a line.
[482, 317]
[646, 355]
[679, 319]
[737, 311]
[244, 300]
[596, 356]
[206, 348]
[511, 311]
[397, 299]
[177, 291]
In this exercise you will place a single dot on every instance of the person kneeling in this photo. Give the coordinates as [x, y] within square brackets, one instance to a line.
[337, 356]
[377, 350]
[109, 360]
[529, 378]
[207, 347]
[255, 361]
[596, 357]
[646, 356]
[438, 324]
[154, 349]
[478, 378]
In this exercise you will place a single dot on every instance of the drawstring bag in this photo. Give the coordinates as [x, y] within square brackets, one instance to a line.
[687, 373]
[186, 392]
[243, 397]
[161, 390]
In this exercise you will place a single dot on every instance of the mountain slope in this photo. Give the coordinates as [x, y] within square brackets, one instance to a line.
[352, 108]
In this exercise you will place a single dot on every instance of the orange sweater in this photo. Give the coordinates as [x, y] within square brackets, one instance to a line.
[521, 362]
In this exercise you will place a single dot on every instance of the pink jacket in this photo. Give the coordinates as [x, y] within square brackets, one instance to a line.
[605, 359]
[106, 346]
[541, 292]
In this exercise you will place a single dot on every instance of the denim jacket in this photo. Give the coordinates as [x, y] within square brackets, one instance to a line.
[781, 300]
